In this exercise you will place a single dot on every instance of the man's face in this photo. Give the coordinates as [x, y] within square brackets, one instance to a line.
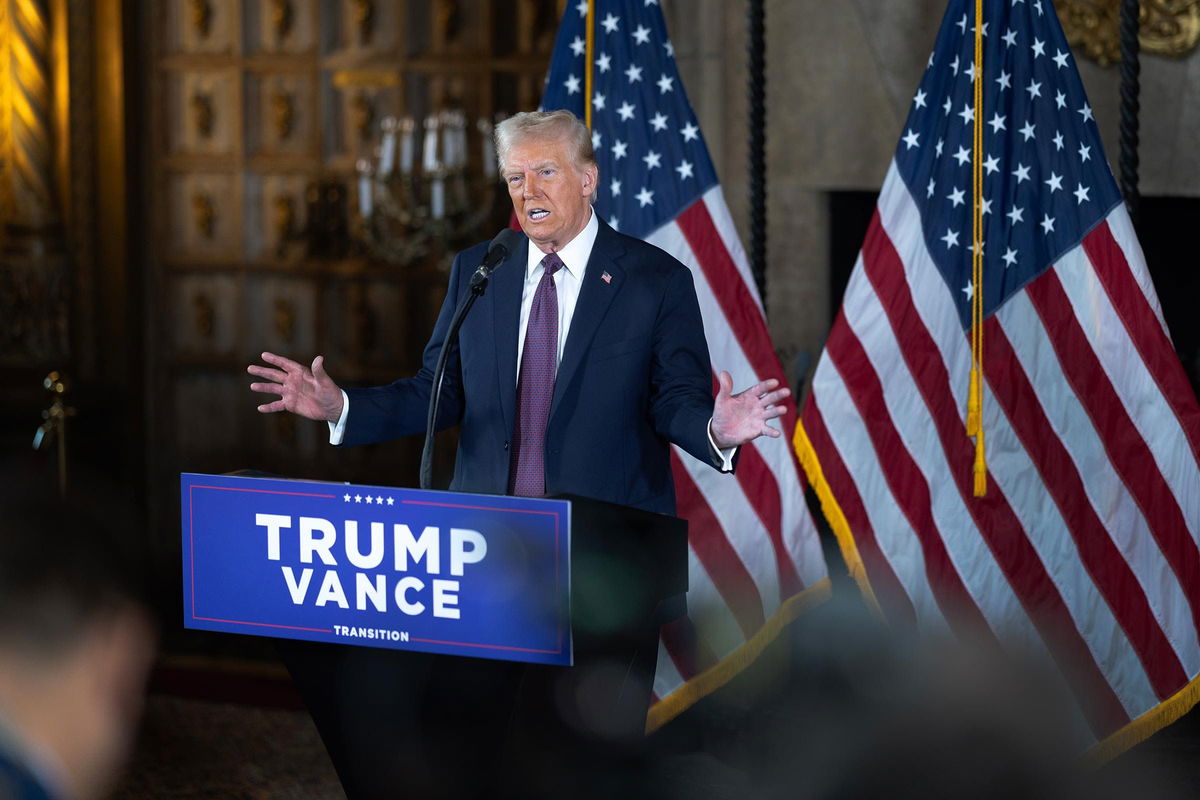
[550, 192]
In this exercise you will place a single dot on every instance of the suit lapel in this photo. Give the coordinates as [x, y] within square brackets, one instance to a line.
[595, 296]
[505, 293]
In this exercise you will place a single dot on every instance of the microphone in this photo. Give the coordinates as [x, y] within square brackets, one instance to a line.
[505, 242]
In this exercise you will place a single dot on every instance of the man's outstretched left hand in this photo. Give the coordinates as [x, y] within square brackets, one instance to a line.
[742, 417]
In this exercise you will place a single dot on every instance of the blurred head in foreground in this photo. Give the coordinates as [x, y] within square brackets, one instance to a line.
[75, 648]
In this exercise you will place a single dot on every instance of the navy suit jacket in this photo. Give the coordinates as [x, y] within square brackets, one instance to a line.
[634, 376]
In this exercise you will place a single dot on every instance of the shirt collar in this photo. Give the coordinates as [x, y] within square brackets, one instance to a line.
[574, 254]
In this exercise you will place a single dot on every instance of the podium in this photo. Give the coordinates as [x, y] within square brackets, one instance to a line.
[398, 723]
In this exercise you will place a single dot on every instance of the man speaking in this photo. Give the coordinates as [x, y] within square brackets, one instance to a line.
[576, 371]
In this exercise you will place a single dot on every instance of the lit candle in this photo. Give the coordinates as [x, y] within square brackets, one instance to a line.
[429, 162]
[406, 145]
[387, 150]
[364, 187]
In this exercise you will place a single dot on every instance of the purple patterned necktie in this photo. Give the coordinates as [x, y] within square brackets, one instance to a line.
[535, 388]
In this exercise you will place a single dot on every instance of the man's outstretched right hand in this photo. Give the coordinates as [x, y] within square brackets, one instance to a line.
[308, 392]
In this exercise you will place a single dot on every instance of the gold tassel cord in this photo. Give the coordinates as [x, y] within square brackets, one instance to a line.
[975, 389]
[589, 48]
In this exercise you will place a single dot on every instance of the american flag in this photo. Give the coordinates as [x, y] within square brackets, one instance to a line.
[754, 556]
[1085, 545]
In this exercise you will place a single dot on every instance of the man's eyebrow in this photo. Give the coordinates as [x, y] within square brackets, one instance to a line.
[537, 166]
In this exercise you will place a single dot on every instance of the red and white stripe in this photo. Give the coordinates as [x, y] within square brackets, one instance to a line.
[1085, 547]
[753, 544]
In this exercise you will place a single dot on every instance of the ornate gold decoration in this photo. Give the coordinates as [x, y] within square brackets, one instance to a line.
[285, 319]
[283, 221]
[362, 114]
[282, 17]
[364, 17]
[446, 19]
[202, 14]
[26, 160]
[283, 113]
[204, 312]
[1166, 27]
[203, 114]
[205, 214]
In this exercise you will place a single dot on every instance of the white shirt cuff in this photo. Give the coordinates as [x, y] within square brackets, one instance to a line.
[725, 457]
[337, 430]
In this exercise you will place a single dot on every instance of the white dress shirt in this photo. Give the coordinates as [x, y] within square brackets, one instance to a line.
[567, 282]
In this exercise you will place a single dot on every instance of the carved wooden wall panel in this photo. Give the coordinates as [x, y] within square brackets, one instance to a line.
[258, 111]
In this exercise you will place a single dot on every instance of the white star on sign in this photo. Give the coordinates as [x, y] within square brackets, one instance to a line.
[1081, 194]
[645, 197]
[963, 155]
[1058, 140]
[951, 238]
[689, 132]
[684, 170]
[1015, 215]
[610, 23]
[1086, 111]
[1010, 37]
[1085, 152]
[1054, 182]
[625, 112]
[997, 122]
[598, 102]
[968, 113]
[641, 35]
[1039, 48]
[347, 498]
[1034, 88]
[614, 188]
[391, 502]
[666, 84]
[1005, 80]
[634, 73]
[1010, 257]
[571, 84]
[991, 164]
[1027, 131]
[919, 99]
[1060, 58]
[1021, 174]
[956, 197]
[578, 47]
[618, 149]
[378, 500]
[910, 138]
[370, 500]
[358, 498]
[659, 121]
[652, 160]
[604, 62]
[1047, 224]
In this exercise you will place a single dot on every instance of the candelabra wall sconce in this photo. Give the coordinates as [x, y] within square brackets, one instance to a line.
[405, 202]
[54, 425]
[283, 112]
[203, 114]
[204, 213]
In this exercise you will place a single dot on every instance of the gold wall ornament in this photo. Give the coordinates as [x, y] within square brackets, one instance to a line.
[285, 319]
[204, 313]
[1166, 27]
[362, 114]
[283, 221]
[446, 21]
[282, 18]
[26, 114]
[283, 113]
[364, 18]
[201, 16]
[203, 113]
[204, 213]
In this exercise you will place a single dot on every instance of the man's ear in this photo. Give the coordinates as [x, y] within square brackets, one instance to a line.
[591, 174]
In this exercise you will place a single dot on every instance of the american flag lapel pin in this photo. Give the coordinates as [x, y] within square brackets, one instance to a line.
[604, 276]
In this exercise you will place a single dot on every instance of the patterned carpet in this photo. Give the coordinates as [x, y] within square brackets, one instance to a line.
[198, 749]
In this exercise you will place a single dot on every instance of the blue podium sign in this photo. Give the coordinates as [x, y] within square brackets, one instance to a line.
[440, 572]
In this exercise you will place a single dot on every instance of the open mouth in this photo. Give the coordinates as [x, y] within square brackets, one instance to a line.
[538, 214]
